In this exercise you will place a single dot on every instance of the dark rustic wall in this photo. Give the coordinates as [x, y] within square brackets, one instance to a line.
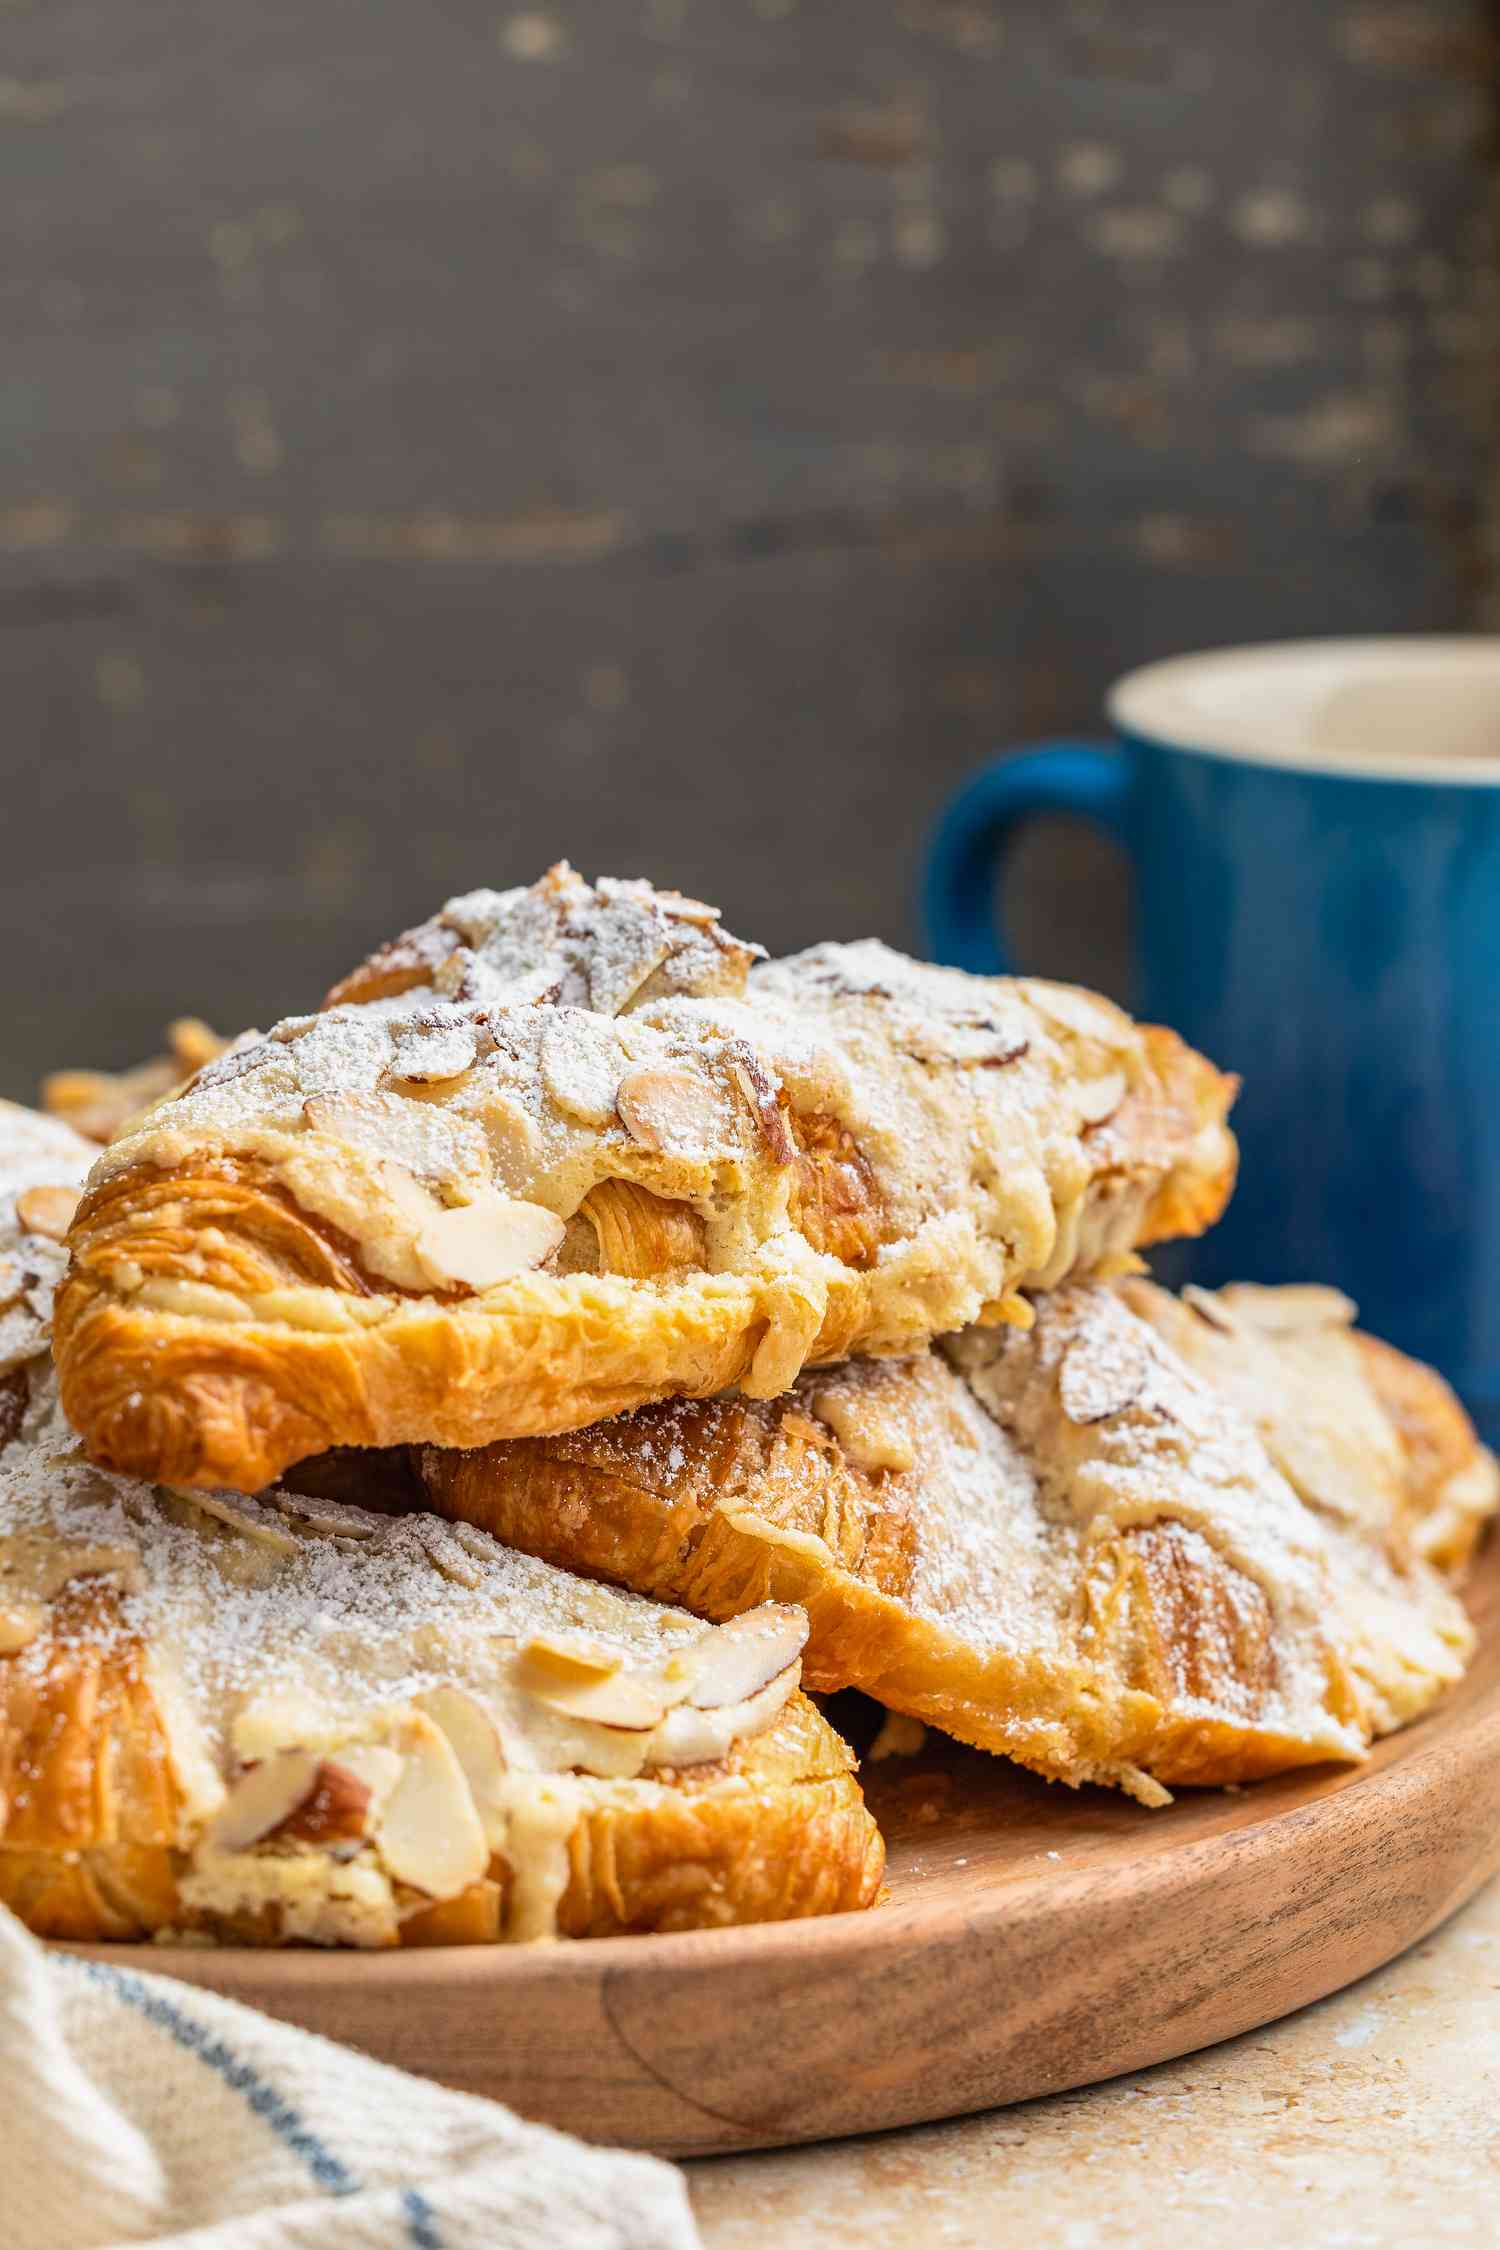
[687, 436]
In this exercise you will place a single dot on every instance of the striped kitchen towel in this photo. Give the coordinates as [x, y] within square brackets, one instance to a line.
[139, 2110]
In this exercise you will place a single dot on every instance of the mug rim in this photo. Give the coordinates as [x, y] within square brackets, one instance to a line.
[1141, 704]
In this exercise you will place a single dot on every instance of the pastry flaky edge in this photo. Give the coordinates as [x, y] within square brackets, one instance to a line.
[101, 1104]
[291, 1720]
[565, 1150]
[1151, 1541]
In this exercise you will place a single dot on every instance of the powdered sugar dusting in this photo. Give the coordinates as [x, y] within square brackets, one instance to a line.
[606, 947]
[358, 1621]
[1125, 1433]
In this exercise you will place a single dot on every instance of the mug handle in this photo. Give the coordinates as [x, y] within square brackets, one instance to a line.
[978, 826]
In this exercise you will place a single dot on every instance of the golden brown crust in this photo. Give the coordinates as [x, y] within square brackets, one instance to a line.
[1136, 1648]
[83, 1749]
[720, 1183]
[206, 1402]
[799, 1842]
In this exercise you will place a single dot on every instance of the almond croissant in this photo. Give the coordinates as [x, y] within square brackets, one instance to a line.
[1149, 1541]
[565, 1150]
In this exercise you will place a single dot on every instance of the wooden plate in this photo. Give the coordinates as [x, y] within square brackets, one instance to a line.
[1034, 1939]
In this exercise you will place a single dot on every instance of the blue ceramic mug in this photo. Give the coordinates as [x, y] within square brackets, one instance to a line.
[1315, 832]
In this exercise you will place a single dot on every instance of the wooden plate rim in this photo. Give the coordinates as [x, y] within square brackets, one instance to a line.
[1384, 1851]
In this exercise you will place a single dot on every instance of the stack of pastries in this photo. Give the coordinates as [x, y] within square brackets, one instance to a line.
[446, 1441]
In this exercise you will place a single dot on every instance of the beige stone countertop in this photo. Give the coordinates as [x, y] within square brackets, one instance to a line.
[1370, 2120]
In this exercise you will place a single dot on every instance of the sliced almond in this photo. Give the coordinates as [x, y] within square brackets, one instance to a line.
[736, 1660]
[242, 1513]
[1097, 1380]
[87, 1558]
[366, 1118]
[429, 1834]
[1084, 1013]
[1287, 1310]
[22, 1337]
[681, 908]
[473, 1738]
[510, 1136]
[754, 1083]
[192, 1753]
[398, 1134]
[432, 1054]
[871, 1435]
[334, 1813]
[444, 1548]
[1099, 1098]
[48, 1210]
[262, 1799]
[627, 939]
[1205, 1303]
[20, 1623]
[478, 1244]
[631, 1701]
[335, 1519]
[460, 976]
[964, 1042]
[476, 1544]
[571, 1657]
[374, 1764]
[666, 1111]
[581, 1062]
[347, 1794]
[690, 1736]
[412, 1200]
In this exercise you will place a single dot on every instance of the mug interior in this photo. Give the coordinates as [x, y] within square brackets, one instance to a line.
[1419, 708]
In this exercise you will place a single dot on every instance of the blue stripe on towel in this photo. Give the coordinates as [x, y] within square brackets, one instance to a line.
[421, 2221]
[243, 2078]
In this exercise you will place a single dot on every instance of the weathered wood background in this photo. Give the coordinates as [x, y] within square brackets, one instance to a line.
[684, 435]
